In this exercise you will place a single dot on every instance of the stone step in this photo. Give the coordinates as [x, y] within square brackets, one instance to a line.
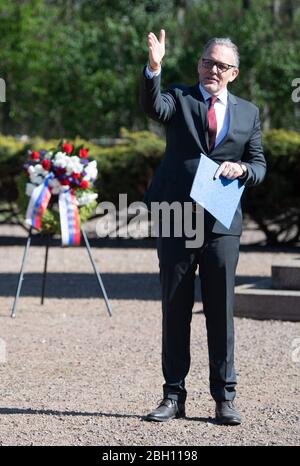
[260, 301]
[286, 274]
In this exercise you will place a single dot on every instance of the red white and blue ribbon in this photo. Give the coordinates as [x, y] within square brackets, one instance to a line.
[69, 218]
[38, 203]
[68, 211]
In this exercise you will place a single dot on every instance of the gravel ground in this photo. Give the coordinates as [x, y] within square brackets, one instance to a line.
[71, 375]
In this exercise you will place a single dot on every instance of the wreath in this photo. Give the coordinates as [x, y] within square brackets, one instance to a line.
[66, 169]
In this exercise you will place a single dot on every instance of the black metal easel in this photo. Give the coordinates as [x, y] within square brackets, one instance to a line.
[21, 276]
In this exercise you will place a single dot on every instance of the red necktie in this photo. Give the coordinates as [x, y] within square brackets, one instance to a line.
[212, 123]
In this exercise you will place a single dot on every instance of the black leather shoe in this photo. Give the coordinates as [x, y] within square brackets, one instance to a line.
[226, 414]
[166, 410]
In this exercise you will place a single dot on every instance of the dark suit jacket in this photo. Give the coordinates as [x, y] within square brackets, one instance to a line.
[184, 113]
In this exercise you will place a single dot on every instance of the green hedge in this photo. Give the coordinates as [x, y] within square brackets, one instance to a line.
[127, 167]
[275, 204]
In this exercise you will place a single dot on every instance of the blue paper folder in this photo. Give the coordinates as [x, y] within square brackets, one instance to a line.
[219, 196]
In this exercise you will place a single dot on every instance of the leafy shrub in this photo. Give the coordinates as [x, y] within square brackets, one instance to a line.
[275, 204]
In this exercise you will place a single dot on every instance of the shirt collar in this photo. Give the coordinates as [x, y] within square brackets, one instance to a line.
[222, 98]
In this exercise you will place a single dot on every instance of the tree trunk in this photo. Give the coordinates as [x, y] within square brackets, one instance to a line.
[276, 7]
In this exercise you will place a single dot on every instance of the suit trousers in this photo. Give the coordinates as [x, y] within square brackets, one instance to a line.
[217, 260]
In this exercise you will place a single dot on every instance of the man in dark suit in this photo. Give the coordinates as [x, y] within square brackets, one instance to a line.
[207, 119]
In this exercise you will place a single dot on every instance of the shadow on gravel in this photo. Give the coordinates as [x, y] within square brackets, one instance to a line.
[38, 240]
[143, 243]
[75, 285]
[51, 412]
[144, 286]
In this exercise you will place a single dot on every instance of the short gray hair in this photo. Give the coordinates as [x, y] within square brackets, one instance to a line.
[227, 43]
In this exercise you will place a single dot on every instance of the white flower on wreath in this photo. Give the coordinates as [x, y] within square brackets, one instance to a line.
[37, 173]
[91, 171]
[61, 160]
[56, 187]
[74, 165]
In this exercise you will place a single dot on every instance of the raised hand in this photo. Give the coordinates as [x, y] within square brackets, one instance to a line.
[156, 49]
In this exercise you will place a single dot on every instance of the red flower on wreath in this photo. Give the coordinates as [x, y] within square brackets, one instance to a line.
[83, 153]
[35, 155]
[46, 164]
[67, 148]
[84, 184]
[65, 182]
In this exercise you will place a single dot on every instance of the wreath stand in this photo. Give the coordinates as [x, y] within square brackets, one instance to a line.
[21, 275]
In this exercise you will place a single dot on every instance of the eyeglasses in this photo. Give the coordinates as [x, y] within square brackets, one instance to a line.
[222, 67]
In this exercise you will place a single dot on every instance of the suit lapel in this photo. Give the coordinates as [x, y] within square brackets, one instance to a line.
[202, 129]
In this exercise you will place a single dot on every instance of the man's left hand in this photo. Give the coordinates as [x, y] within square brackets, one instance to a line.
[229, 170]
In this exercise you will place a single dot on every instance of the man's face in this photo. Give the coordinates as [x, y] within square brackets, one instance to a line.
[213, 79]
